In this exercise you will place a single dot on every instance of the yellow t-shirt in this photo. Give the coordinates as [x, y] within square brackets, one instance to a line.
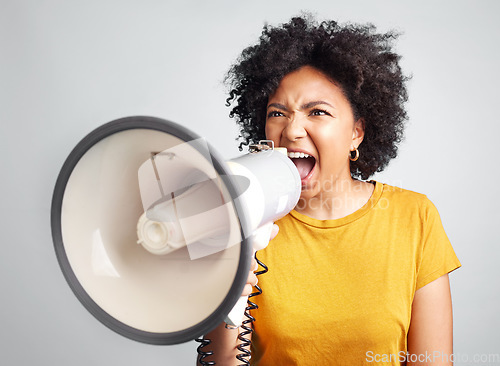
[339, 292]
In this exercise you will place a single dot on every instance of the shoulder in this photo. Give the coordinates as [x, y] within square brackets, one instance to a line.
[406, 200]
[405, 195]
[402, 193]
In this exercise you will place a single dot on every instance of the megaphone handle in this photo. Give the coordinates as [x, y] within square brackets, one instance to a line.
[260, 240]
[235, 317]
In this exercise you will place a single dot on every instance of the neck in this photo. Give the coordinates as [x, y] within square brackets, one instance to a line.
[343, 197]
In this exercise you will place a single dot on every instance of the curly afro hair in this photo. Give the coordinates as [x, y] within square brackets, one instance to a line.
[357, 58]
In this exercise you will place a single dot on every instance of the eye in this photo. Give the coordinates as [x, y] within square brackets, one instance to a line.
[275, 114]
[319, 112]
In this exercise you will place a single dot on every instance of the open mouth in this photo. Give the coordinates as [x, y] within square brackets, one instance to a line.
[304, 162]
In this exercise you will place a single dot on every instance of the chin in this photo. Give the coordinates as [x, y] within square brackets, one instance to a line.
[307, 193]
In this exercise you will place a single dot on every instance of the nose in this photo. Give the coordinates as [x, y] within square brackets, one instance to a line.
[294, 129]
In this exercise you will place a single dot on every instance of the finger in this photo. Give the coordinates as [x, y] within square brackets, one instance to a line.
[255, 266]
[252, 279]
[247, 290]
[275, 231]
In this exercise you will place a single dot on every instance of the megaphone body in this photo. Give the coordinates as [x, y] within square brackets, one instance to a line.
[155, 233]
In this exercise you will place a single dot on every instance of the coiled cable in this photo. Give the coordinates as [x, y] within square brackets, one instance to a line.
[202, 354]
[246, 326]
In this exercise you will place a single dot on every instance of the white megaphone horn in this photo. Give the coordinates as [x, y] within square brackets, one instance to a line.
[155, 233]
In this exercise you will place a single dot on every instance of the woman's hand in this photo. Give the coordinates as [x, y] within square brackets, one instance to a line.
[225, 340]
[252, 278]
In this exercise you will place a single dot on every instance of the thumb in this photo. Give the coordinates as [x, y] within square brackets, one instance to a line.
[262, 235]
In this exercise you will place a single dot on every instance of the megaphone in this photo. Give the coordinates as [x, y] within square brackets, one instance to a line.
[155, 233]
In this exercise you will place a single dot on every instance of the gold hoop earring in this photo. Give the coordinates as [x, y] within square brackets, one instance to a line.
[356, 157]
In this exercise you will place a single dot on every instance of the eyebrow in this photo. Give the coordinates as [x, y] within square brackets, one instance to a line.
[303, 106]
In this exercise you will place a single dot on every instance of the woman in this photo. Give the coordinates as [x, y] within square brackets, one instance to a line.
[358, 273]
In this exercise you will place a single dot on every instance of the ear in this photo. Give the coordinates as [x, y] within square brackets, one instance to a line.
[358, 132]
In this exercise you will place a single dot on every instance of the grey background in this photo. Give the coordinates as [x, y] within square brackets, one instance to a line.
[67, 67]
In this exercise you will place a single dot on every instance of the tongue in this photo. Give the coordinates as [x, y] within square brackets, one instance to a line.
[304, 166]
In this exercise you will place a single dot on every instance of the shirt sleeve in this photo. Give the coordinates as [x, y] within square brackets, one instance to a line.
[437, 257]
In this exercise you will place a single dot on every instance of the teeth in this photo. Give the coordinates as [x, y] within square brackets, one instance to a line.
[295, 155]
